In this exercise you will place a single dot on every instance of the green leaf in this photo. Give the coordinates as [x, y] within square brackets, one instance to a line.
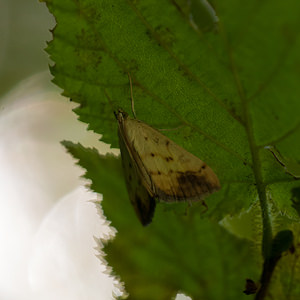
[228, 93]
[177, 252]
[296, 199]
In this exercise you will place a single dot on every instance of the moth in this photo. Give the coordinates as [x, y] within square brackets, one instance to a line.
[157, 168]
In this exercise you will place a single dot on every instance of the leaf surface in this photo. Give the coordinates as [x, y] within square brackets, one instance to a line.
[228, 92]
[178, 252]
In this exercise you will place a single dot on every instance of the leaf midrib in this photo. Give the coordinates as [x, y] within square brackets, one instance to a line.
[254, 149]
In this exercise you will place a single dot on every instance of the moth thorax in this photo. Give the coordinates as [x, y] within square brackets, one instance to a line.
[120, 115]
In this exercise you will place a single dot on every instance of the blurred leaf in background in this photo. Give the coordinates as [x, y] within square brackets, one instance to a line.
[24, 29]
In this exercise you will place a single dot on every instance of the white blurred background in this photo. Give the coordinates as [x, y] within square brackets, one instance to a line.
[47, 220]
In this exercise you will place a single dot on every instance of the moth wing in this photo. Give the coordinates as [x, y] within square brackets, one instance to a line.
[169, 171]
[142, 201]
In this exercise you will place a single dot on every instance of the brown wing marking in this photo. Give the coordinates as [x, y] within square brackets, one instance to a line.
[188, 185]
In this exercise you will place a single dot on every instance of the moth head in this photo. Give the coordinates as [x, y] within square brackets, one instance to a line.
[120, 115]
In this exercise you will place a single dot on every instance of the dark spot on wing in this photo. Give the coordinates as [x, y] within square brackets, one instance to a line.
[169, 158]
[187, 186]
[145, 209]
[154, 173]
[139, 203]
[182, 179]
[152, 154]
[204, 166]
[194, 184]
[167, 143]
[146, 138]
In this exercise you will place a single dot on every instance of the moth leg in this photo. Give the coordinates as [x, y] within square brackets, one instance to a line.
[205, 206]
[187, 208]
[189, 204]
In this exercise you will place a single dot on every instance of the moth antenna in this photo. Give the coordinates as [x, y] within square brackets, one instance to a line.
[170, 129]
[131, 96]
